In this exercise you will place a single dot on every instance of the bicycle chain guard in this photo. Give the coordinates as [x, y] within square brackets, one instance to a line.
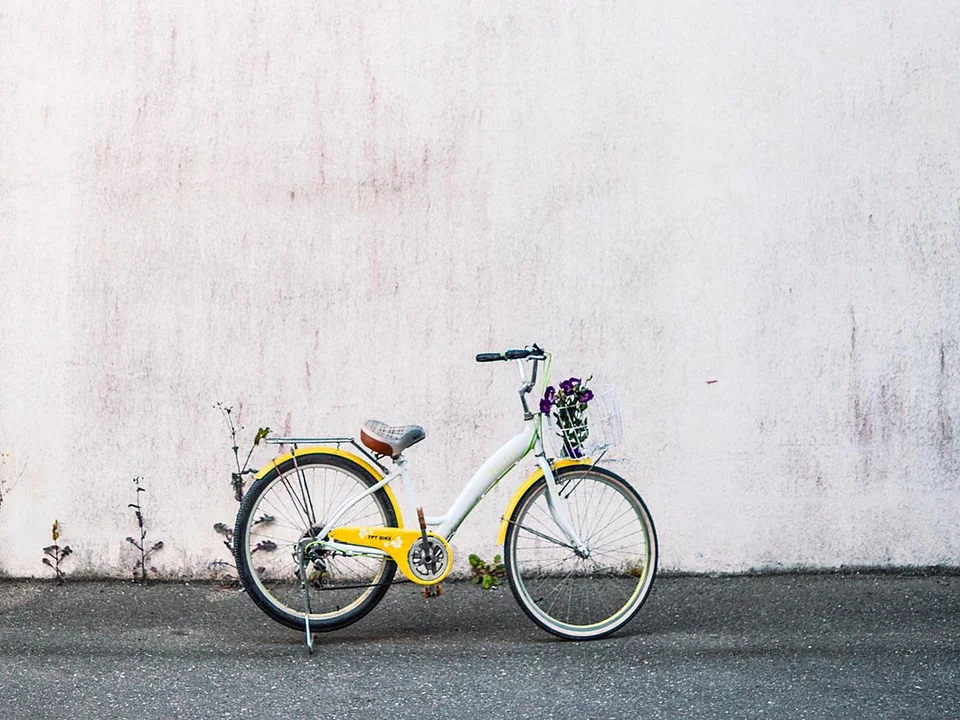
[405, 547]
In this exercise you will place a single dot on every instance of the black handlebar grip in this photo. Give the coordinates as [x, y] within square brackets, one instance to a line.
[490, 357]
[516, 354]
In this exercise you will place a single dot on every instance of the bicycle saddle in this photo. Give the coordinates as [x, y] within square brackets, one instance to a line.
[390, 439]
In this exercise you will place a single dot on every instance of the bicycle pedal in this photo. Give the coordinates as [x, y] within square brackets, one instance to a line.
[432, 591]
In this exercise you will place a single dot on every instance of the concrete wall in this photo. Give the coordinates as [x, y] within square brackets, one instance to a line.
[319, 212]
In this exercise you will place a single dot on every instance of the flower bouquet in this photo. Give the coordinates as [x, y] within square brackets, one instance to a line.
[567, 405]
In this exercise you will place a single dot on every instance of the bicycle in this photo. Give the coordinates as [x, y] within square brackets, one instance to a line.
[320, 533]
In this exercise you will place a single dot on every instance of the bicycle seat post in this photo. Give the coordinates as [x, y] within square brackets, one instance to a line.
[401, 463]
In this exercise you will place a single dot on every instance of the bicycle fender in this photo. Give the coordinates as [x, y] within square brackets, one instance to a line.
[515, 500]
[324, 450]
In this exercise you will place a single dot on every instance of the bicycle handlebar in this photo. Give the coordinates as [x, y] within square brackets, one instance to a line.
[534, 351]
[531, 352]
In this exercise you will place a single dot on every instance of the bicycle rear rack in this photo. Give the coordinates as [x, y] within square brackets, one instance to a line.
[337, 441]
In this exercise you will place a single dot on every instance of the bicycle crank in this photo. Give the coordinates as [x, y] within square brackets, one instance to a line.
[428, 559]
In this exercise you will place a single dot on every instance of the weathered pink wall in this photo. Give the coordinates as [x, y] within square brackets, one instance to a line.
[322, 211]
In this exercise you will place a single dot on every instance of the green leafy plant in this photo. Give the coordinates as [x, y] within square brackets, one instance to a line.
[54, 554]
[140, 569]
[486, 575]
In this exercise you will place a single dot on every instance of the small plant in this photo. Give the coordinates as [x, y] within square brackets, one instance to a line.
[237, 481]
[227, 532]
[568, 405]
[6, 484]
[244, 468]
[54, 554]
[225, 573]
[4, 461]
[140, 569]
[223, 568]
[486, 575]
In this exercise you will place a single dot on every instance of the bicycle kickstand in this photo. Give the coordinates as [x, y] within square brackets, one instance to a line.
[306, 601]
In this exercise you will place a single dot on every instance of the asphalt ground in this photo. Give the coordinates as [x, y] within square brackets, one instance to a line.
[787, 646]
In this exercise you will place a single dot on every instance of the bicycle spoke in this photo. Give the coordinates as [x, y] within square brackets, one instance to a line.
[298, 505]
[546, 537]
[305, 490]
[608, 526]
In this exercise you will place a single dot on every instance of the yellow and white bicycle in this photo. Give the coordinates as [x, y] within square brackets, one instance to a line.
[320, 533]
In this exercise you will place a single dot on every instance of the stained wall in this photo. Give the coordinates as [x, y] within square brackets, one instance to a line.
[745, 215]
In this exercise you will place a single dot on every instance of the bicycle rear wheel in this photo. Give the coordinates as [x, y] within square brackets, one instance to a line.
[291, 503]
[574, 597]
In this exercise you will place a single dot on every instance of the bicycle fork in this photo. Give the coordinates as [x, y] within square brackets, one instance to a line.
[558, 509]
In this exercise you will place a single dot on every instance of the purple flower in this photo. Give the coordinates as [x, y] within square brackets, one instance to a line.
[549, 398]
[568, 385]
[586, 396]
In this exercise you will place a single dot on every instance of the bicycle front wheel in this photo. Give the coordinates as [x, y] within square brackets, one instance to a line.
[290, 504]
[589, 595]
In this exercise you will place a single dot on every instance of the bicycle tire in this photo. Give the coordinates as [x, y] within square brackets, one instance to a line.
[573, 597]
[345, 588]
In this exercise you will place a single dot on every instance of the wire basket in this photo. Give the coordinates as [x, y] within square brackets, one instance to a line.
[587, 433]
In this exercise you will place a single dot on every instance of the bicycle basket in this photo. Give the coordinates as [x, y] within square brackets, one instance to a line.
[587, 433]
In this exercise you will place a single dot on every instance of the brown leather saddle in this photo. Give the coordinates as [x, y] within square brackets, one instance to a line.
[390, 439]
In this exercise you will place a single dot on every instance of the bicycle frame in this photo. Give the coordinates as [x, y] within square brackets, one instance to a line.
[484, 479]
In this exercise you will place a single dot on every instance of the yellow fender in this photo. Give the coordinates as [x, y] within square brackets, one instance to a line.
[327, 450]
[515, 500]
